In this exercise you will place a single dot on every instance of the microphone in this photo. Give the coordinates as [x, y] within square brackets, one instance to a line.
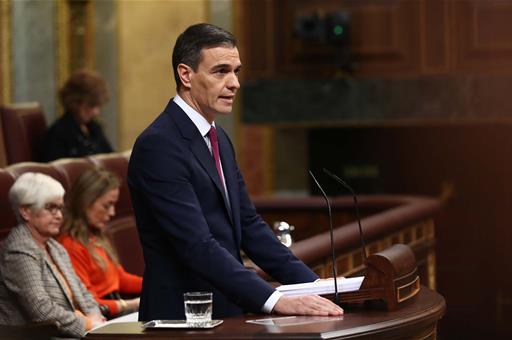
[334, 275]
[343, 183]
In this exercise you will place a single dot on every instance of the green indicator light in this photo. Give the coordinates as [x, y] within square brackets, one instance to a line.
[338, 30]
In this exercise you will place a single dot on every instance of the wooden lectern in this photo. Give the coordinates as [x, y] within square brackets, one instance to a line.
[391, 276]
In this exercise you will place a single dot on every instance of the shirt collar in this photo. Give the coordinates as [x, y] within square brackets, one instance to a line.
[199, 121]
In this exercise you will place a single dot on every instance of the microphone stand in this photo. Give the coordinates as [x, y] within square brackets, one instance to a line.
[336, 297]
[391, 274]
[344, 184]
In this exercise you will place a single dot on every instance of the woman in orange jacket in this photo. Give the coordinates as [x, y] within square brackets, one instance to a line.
[89, 207]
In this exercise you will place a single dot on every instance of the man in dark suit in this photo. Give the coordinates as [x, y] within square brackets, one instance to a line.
[192, 208]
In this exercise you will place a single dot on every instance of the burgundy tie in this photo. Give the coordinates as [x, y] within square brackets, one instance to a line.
[215, 150]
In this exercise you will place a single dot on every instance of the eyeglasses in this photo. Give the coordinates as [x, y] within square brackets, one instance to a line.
[54, 208]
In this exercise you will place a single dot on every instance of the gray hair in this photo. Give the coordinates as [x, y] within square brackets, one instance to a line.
[35, 190]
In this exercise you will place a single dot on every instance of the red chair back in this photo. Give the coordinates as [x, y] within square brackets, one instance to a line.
[24, 128]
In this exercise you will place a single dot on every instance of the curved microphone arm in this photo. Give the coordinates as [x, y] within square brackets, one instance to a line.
[337, 300]
[343, 183]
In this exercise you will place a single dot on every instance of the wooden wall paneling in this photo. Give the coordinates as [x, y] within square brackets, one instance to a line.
[307, 222]
[385, 38]
[481, 36]
[472, 232]
[502, 279]
[435, 36]
[255, 27]
[294, 56]
[256, 154]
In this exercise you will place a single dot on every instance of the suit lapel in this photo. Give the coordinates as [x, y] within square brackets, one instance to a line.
[203, 155]
[199, 148]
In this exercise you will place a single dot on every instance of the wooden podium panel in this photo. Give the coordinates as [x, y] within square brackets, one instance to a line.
[417, 319]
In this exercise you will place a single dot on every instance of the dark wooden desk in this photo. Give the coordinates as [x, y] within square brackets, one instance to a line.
[416, 320]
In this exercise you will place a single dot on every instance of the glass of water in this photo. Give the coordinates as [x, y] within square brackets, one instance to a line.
[198, 308]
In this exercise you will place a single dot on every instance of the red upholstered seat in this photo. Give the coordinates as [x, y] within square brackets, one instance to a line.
[46, 168]
[125, 239]
[118, 164]
[71, 168]
[24, 127]
[122, 229]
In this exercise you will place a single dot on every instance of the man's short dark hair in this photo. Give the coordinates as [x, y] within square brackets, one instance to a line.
[193, 40]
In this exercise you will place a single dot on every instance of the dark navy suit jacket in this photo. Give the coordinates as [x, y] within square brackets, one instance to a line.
[190, 234]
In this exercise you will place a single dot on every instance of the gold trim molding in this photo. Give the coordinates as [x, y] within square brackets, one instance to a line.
[68, 60]
[5, 51]
[62, 33]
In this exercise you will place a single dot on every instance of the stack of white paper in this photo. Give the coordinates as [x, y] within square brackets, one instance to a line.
[132, 317]
[322, 287]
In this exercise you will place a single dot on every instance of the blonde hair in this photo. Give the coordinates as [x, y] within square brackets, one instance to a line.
[33, 189]
[90, 186]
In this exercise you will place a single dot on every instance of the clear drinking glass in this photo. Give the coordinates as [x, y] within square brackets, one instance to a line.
[198, 308]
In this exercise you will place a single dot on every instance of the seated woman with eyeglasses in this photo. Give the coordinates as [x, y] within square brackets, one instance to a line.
[37, 280]
[89, 207]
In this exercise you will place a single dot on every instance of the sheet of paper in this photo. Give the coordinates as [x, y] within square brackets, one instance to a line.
[322, 287]
[179, 324]
[125, 318]
[293, 320]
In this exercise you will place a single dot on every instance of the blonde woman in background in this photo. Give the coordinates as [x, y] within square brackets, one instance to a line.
[89, 207]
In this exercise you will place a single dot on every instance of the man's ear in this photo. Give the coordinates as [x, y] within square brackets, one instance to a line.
[185, 74]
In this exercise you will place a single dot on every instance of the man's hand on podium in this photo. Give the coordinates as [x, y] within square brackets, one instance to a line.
[307, 305]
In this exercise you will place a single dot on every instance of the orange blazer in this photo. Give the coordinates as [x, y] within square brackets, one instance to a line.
[98, 281]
